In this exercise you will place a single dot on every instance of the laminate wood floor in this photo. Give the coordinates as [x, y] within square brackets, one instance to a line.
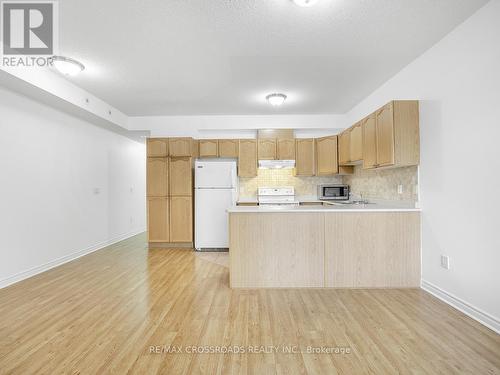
[106, 313]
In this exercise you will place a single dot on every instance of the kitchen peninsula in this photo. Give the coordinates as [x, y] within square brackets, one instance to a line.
[356, 246]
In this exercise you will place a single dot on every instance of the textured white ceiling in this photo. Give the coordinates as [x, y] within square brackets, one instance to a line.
[187, 57]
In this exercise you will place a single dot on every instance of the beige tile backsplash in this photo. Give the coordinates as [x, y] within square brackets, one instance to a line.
[304, 186]
[383, 183]
[374, 184]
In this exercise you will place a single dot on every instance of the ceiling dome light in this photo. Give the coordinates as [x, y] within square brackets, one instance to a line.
[67, 66]
[305, 3]
[276, 99]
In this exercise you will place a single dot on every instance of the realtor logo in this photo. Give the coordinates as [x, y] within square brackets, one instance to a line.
[29, 28]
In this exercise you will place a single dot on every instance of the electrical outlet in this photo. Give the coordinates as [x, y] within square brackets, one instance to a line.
[445, 262]
[97, 191]
[400, 189]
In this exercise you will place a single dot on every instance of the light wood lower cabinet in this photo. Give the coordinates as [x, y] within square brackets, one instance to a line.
[305, 157]
[158, 220]
[157, 177]
[228, 148]
[326, 156]
[247, 158]
[170, 219]
[181, 219]
[180, 173]
[324, 249]
[372, 250]
[276, 250]
[208, 148]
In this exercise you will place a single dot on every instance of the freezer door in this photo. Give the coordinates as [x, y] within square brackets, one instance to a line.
[215, 174]
[211, 218]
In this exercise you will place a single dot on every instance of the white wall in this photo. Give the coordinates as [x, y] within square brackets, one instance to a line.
[458, 83]
[50, 165]
[49, 83]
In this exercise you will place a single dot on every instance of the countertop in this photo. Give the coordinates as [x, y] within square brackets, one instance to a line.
[373, 206]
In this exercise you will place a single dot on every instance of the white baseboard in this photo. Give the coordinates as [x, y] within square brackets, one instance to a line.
[475, 313]
[65, 259]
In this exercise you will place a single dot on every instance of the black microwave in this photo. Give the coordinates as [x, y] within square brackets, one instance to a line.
[333, 192]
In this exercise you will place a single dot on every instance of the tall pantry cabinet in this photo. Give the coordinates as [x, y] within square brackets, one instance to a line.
[170, 190]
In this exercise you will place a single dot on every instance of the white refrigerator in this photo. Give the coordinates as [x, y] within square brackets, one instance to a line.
[216, 189]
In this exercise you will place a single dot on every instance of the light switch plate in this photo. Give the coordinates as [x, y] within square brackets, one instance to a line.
[445, 262]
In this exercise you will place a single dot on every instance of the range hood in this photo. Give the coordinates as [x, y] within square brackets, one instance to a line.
[275, 135]
[276, 164]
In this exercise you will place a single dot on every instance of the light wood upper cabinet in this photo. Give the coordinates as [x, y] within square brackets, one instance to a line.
[351, 145]
[267, 149]
[385, 135]
[180, 146]
[391, 135]
[158, 220]
[344, 147]
[406, 132]
[181, 219]
[326, 156]
[286, 149]
[228, 148]
[356, 143]
[157, 177]
[369, 129]
[208, 148]
[247, 158]
[196, 148]
[304, 157]
[180, 174]
[157, 147]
